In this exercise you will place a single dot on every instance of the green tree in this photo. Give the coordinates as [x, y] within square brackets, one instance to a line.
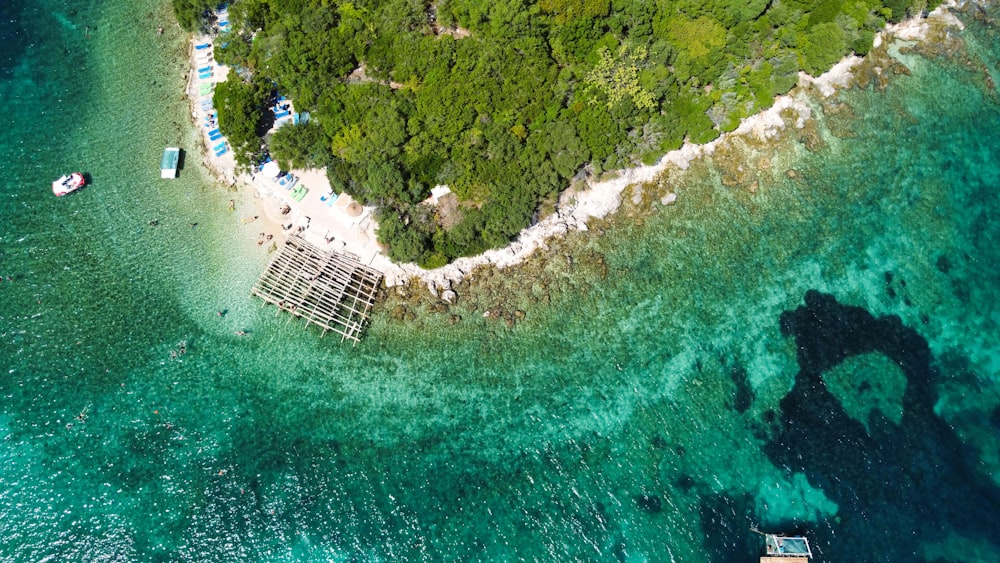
[189, 13]
[617, 77]
[824, 46]
[300, 146]
[239, 103]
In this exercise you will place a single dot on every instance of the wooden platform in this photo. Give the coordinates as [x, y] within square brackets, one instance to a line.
[767, 559]
[328, 289]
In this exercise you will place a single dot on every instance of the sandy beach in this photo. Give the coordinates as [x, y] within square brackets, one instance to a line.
[343, 225]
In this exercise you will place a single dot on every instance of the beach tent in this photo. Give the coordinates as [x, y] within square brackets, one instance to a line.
[271, 169]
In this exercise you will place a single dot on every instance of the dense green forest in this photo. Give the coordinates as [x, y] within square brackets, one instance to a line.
[506, 100]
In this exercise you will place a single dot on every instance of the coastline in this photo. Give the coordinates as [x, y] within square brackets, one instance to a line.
[578, 204]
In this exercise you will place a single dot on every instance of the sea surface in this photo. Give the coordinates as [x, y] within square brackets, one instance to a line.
[806, 342]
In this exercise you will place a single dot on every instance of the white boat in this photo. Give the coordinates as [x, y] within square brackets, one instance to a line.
[68, 183]
[168, 164]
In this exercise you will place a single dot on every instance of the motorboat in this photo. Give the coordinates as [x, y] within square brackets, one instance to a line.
[169, 162]
[68, 183]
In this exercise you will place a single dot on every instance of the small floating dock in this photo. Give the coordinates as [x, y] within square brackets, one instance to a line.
[169, 162]
[786, 549]
[331, 290]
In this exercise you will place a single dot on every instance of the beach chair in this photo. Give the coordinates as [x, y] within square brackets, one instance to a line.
[215, 136]
[221, 151]
[205, 75]
[221, 145]
[203, 46]
[205, 69]
[278, 116]
[331, 200]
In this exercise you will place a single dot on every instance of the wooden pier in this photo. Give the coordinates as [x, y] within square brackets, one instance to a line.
[328, 289]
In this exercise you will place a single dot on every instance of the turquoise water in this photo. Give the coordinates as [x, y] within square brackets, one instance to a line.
[727, 362]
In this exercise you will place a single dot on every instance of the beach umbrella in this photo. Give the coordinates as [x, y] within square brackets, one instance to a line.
[271, 169]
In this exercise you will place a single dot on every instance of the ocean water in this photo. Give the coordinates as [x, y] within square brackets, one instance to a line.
[812, 349]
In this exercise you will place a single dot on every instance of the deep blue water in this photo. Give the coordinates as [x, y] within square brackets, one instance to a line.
[812, 350]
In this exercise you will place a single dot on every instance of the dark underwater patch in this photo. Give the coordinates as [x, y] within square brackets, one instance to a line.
[12, 36]
[914, 476]
[744, 391]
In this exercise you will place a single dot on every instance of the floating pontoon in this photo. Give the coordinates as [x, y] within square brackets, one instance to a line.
[786, 549]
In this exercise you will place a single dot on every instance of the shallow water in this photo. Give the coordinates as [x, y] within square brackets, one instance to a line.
[660, 403]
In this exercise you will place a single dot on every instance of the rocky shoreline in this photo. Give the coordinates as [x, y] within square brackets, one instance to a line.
[596, 198]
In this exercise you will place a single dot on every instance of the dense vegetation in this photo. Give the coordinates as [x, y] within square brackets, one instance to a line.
[506, 100]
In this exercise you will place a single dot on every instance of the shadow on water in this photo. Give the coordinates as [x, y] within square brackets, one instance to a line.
[916, 475]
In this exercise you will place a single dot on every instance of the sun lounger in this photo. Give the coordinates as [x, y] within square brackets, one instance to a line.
[214, 131]
[206, 104]
[282, 114]
[205, 76]
[221, 145]
[221, 151]
[203, 46]
[205, 68]
[331, 199]
[287, 181]
[205, 89]
[299, 193]
[215, 137]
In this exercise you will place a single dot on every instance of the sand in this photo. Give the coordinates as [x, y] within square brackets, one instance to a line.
[332, 227]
